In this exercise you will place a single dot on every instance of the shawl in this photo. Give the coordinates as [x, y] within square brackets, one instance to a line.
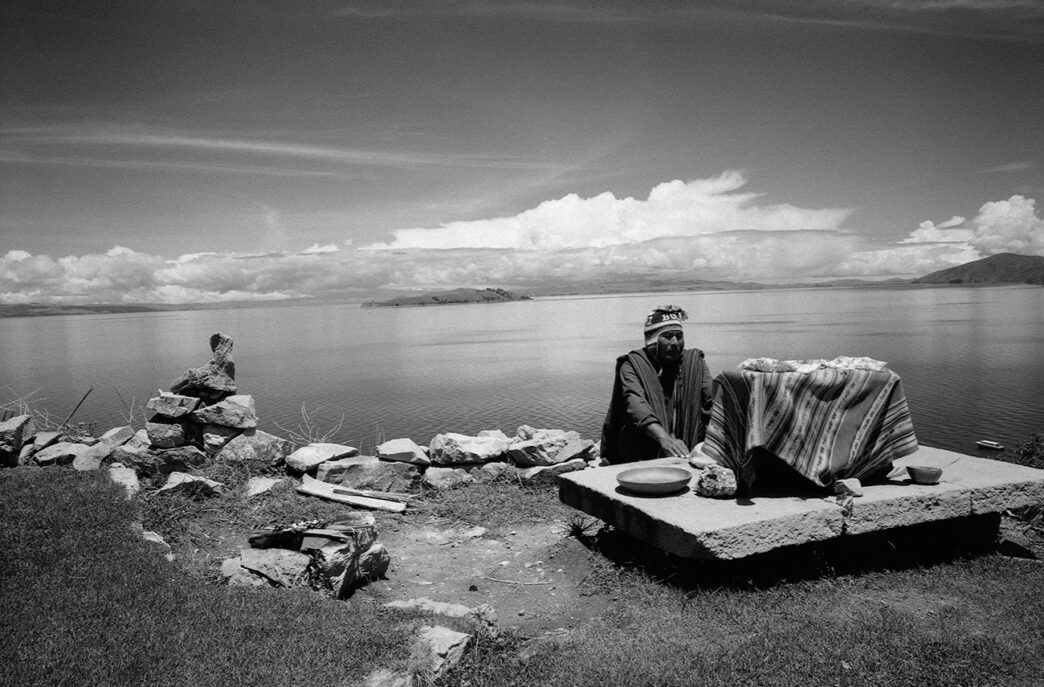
[682, 417]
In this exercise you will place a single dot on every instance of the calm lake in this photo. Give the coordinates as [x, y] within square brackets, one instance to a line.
[971, 359]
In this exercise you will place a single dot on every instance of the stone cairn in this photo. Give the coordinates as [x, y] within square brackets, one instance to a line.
[203, 419]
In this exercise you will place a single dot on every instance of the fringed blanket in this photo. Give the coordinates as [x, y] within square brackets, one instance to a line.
[829, 424]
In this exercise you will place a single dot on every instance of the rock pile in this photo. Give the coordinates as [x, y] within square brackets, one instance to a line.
[331, 557]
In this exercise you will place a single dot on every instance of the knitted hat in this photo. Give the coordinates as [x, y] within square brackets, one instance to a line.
[663, 317]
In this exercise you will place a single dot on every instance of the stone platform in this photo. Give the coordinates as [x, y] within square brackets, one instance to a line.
[692, 526]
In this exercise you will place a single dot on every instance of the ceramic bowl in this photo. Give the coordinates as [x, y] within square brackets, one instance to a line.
[924, 474]
[654, 480]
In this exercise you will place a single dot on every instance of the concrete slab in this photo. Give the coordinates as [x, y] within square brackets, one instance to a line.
[691, 526]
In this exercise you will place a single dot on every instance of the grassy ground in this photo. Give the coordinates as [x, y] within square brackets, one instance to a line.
[85, 601]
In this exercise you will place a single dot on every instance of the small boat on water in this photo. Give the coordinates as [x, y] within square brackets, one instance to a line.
[993, 445]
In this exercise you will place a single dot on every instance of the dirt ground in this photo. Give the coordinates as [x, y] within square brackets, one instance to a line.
[532, 576]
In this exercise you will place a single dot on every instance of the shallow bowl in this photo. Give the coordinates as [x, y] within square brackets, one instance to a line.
[654, 480]
[924, 474]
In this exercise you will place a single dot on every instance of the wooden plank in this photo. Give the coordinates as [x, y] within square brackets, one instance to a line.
[370, 493]
[314, 487]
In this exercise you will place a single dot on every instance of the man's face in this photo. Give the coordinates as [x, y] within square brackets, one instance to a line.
[669, 345]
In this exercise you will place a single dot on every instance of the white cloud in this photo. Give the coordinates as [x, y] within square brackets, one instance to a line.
[316, 248]
[944, 232]
[1009, 226]
[673, 209]
[699, 230]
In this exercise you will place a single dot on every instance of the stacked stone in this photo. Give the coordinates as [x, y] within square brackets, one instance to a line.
[334, 558]
[202, 418]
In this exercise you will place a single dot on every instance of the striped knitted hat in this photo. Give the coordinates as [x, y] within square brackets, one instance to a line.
[663, 317]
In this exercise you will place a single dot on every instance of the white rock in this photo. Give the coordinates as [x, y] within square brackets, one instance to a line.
[549, 473]
[442, 648]
[235, 411]
[62, 453]
[452, 448]
[403, 451]
[256, 486]
[850, 486]
[307, 458]
[125, 477]
[181, 482]
[446, 478]
[281, 567]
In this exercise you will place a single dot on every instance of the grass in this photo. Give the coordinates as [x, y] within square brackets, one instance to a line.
[84, 601]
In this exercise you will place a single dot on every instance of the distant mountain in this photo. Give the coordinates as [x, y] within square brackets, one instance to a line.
[41, 309]
[449, 298]
[1003, 268]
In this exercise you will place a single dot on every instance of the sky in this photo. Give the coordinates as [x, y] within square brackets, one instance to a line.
[173, 151]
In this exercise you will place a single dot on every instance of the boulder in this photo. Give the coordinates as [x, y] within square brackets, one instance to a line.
[446, 478]
[333, 470]
[235, 411]
[548, 474]
[41, 441]
[139, 440]
[62, 453]
[542, 446]
[238, 576]
[583, 449]
[126, 478]
[491, 472]
[215, 380]
[278, 567]
[453, 448]
[345, 565]
[158, 540]
[404, 451]
[256, 486]
[155, 462]
[191, 485]
[716, 481]
[216, 437]
[438, 649]
[848, 487]
[166, 433]
[379, 476]
[257, 448]
[307, 458]
[484, 615]
[495, 433]
[373, 563]
[172, 406]
[117, 436]
[15, 432]
[93, 457]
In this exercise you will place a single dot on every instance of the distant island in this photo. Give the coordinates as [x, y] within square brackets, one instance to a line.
[39, 309]
[453, 297]
[1003, 268]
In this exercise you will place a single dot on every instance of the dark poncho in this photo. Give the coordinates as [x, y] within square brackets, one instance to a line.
[683, 417]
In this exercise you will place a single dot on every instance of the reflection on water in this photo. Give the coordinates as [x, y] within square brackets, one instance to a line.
[971, 359]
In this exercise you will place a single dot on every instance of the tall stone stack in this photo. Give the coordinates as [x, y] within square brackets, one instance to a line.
[201, 418]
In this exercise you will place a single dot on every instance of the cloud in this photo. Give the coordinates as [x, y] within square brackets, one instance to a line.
[999, 227]
[1010, 167]
[929, 232]
[1009, 226]
[673, 209]
[706, 229]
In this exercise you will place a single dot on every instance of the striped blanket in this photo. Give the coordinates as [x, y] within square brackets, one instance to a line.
[829, 424]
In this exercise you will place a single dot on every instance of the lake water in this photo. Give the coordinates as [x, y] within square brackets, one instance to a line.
[971, 359]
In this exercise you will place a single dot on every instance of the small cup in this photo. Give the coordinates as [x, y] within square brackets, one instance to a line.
[924, 474]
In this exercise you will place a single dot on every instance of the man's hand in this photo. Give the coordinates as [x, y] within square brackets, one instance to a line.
[669, 446]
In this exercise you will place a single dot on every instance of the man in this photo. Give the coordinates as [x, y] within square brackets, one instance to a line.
[661, 396]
